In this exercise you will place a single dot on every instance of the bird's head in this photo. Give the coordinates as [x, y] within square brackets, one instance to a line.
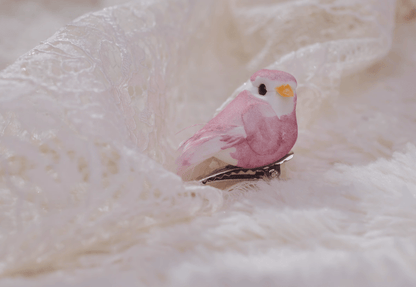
[278, 88]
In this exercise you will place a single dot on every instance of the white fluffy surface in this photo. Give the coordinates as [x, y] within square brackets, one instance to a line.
[87, 197]
[25, 23]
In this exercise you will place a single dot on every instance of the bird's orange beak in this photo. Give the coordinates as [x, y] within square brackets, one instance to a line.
[285, 91]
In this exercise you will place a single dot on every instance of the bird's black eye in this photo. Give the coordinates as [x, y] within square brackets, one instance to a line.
[262, 89]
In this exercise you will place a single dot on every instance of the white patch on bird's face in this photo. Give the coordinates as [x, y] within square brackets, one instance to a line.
[281, 105]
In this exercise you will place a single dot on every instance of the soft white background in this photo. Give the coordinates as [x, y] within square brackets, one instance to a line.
[87, 196]
[25, 23]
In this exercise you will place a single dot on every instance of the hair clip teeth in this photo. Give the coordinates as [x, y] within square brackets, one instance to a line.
[234, 173]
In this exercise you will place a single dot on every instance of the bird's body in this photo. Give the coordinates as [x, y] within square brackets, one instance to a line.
[253, 130]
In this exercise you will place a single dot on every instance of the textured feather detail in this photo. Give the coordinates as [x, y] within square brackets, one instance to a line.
[234, 137]
[262, 128]
[205, 144]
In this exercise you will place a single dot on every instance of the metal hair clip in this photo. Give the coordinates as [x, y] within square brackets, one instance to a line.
[235, 173]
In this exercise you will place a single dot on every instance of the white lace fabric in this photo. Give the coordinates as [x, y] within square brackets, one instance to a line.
[89, 118]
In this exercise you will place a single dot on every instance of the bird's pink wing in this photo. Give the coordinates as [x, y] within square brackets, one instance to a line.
[262, 128]
[206, 143]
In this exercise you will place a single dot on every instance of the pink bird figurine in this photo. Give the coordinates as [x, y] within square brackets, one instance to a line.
[257, 128]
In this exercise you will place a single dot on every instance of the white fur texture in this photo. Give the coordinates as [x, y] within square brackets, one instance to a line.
[86, 194]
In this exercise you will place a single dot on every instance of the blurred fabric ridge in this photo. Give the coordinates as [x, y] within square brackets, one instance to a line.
[89, 119]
